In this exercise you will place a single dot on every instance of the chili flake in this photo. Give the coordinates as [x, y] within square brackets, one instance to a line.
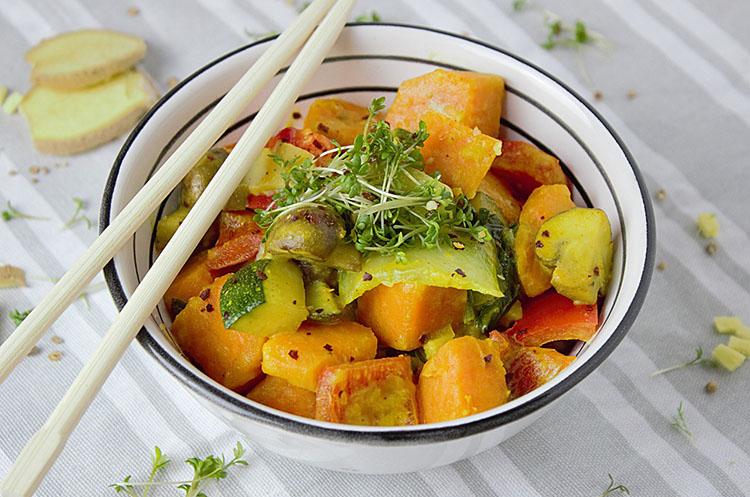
[205, 294]
[293, 354]
[328, 347]
[459, 271]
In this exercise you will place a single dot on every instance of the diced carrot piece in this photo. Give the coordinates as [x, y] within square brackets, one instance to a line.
[306, 139]
[192, 278]
[499, 192]
[532, 367]
[230, 357]
[379, 392]
[339, 120]
[239, 240]
[550, 317]
[525, 167]
[543, 203]
[300, 356]
[278, 393]
[463, 155]
[464, 377]
[400, 315]
[471, 98]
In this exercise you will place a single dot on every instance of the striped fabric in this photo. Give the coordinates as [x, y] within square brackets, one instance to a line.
[676, 87]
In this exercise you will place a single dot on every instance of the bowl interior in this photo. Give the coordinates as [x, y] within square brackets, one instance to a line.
[370, 61]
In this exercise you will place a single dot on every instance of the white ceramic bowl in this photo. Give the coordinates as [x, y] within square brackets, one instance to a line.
[368, 61]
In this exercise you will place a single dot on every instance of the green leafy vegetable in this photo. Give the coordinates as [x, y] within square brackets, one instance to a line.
[77, 217]
[204, 470]
[12, 213]
[612, 488]
[18, 316]
[679, 423]
[378, 186]
[698, 360]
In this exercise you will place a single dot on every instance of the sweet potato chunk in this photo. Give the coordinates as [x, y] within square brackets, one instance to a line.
[401, 314]
[544, 202]
[239, 240]
[525, 167]
[299, 357]
[498, 191]
[465, 377]
[230, 357]
[463, 155]
[532, 367]
[471, 98]
[337, 119]
[278, 393]
[192, 278]
[550, 317]
[379, 392]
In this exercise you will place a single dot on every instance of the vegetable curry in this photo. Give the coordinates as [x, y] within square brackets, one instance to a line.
[392, 268]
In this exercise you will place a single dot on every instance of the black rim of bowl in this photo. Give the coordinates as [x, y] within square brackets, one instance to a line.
[423, 433]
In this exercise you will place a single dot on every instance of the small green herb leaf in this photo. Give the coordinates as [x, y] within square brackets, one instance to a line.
[698, 360]
[612, 488]
[18, 316]
[373, 17]
[12, 213]
[679, 423]
[77, 217]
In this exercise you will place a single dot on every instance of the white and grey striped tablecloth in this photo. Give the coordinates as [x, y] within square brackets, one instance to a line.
[676, 87]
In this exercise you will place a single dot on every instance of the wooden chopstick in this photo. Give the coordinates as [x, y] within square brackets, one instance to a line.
[18, 345]
[43, 448]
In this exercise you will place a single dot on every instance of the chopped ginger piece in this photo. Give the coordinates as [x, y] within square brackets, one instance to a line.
[12, 102]
[741, 345]
[726, 324]
[3, 92]
[743, 332]
[708, 226]
[729, 358]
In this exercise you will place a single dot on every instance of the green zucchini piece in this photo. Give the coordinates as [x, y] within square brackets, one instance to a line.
[264, 298]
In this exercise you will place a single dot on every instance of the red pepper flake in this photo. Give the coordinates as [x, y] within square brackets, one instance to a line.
[296, 115]
[351, 358]
[596, 270]
[522, 332]
[369, 196]
[205, 294]
[328, 347]
[423, 339]
[319, 311]
[261, 275]
[460, 272]
[488, 358]
[225, 315]
[308, 333]
[317, 144]
[539, 244]
[209, 308]
[293, 354]
[452, 236]
[589, 308]
[366, 277]
[322, 128]
[545, 233]
[294, 302]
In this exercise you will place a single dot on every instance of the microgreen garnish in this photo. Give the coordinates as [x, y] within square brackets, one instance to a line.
[679, 423]
[12, 213]
[373, 17]
[698, 360]
[204, 470]
[378, 186]
[77, 217]
[612, 488]
[18, 316]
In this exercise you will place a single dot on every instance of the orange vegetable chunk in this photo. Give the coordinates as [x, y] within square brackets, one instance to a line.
[532, 367]
[299, 357]
[230, 357]
[278, 393]
[550, 317]
[543, 203]
[463, 155]
[306, 139]
[525, 167]
[473, 99]
[401, 314]
[498, 191]
[192, 278]
[379, 392]
[464, 377]
[337, 119]
[239, 240]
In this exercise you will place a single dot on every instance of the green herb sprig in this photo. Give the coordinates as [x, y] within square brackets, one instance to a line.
[612, 488]
[698, 360]
[12, 213]
[372, 17]
[77, 217]
[379, 187]
[679, 423]
[18, 316]
[204, 470]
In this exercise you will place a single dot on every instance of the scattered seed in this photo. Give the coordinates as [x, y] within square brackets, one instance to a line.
[598, 95]
[44, 170]
[711, 248]
[711, 386]
[61, 164]
[661, 266]
[172, 82]
[55, 355]
[12, 173]
[132, 11]
[34, 180]
[631, 94]
[56, 339]
[34, 350]
[661, 194]
[34, 170]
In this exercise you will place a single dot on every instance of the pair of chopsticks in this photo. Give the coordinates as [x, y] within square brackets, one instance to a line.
[43, 448]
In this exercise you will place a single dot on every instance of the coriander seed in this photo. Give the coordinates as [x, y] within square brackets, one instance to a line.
[711, 386]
